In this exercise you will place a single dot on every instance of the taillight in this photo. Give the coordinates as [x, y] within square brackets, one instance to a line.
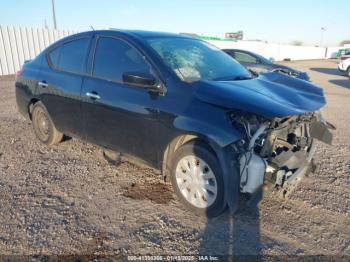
[19, 73]
[344, 57]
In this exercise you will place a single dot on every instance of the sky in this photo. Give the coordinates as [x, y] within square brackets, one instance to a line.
[274, 21]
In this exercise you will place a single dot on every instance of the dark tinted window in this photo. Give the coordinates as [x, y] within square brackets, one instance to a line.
[245, 58]
[231, 53]
[70, 56]
[73, 55]
[114, 57]
[54, 56]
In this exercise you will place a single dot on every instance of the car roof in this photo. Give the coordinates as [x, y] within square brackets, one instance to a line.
[244, 51]
[149, 34]
[133, 33]
[140, 34]
[239, 50]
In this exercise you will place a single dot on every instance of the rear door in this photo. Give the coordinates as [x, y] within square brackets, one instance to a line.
[60, 84]
[116, 115]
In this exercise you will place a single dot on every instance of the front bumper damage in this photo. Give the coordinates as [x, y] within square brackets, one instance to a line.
[275, 154]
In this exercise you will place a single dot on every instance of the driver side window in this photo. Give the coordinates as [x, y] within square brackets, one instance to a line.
[113, 57]
[245, 58]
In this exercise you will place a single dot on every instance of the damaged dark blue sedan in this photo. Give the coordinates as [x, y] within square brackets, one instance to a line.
[179, 105]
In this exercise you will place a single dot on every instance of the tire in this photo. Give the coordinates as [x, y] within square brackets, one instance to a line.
[188, 179]
[43, 126]
[348, 72]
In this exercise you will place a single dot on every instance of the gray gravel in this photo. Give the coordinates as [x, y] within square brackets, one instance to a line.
[68, 199]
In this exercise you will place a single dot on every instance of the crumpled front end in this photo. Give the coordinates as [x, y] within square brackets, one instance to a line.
[276, 153]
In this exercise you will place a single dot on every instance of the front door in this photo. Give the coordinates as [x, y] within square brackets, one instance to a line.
[116, 115]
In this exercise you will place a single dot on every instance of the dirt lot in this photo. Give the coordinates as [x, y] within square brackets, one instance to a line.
[68, 199]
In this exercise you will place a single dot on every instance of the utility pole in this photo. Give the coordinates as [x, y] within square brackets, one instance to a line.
[323, 29]
[53, 14]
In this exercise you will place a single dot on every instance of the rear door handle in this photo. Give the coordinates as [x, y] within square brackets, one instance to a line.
[43, 84]
[93, 95]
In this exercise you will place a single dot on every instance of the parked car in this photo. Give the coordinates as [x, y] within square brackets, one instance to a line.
[344, 63]
[342, 52]
[260, 64]
[180, 105]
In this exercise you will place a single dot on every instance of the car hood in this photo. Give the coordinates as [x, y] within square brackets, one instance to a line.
[269, 95]
[261, 68]
[302, 74]
[275, 66]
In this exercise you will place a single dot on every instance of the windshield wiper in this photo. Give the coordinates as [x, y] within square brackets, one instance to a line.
[254, 73]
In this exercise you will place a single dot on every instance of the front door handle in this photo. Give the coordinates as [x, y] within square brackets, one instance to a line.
[93, 95]
[43, 84]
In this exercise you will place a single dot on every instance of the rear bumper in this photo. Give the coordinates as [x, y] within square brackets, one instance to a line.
[22, 99]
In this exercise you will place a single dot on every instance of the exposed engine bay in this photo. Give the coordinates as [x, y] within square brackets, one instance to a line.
[276, 153]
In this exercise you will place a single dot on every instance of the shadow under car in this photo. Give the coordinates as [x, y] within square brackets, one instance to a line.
[328, 71]
[341, 82]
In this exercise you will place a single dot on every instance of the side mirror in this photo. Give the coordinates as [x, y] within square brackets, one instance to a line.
[272, 60]
[140, 79]
[144, 80]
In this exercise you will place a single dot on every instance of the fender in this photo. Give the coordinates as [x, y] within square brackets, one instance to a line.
[218, 130]
[220, 140]
[230, 171]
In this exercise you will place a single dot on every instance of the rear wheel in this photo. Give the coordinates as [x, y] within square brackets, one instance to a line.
[43, 126]
[348, 72]
[197, 179]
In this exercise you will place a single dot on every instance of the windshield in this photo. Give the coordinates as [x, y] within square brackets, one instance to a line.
[194, 60]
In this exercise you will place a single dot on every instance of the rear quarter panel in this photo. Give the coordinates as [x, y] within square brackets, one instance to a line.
[26, 85]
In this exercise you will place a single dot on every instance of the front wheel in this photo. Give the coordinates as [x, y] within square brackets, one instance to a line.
[197, 179]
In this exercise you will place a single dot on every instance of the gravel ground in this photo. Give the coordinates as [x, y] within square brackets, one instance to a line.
[68, 200]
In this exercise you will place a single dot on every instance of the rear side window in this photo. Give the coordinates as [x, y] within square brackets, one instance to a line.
[55, 55]
[71, 56]
[114, 57]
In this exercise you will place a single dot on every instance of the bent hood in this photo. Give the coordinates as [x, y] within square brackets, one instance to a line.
[269, 95]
